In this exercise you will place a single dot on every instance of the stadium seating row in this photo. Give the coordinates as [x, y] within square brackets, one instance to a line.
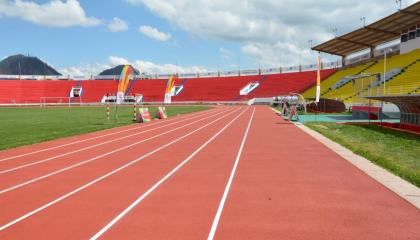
[195, 89]
[407, 81]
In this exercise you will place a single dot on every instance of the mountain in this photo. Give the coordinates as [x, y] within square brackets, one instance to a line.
[26, 65]
[117, 71]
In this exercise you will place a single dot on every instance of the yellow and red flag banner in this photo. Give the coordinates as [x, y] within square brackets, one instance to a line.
[170, 84]
[318, 80]
[124, 80]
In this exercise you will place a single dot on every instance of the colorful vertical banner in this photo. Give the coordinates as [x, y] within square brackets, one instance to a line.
[124, 80]
[170, 84]
[318, 80]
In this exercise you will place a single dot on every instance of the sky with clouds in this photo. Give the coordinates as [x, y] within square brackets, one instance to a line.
[166, 36]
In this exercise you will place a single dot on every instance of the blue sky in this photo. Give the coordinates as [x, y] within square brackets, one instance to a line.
[191, 35]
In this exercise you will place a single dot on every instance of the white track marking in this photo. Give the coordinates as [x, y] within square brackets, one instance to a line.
[229, 183]
[95, 145]
[105, 176]
[100, 156]
[84, 140]
[154, 187]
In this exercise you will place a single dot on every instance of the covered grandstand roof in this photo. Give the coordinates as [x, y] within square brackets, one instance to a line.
[370, 36]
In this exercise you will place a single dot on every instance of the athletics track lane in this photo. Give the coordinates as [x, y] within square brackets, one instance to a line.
[79, 215]
[290, 186]
[31, 153]
[16, 176]
[184, 205]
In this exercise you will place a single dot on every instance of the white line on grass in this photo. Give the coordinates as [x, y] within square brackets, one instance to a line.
[105, 176]
[88, 139]
[154, 187]
[100, 156]
[229, 183]
[95, 145]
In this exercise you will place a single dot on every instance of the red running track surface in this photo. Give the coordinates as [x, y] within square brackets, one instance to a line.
[286, 185]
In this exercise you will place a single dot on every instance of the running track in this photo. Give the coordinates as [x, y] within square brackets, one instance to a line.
[226, 173]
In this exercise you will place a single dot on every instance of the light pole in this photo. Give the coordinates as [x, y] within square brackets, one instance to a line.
[335, 31]
[239, 65]
[385, 52]
[363, 19]
[399, 3]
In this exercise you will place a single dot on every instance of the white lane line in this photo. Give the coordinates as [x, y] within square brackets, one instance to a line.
[154, 187]
[229, 183]
[100, 156]
[95, 145]
[92, 138]
[105, 176]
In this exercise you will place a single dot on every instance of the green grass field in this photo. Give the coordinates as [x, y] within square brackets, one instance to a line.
[23, 126]
[396, 151]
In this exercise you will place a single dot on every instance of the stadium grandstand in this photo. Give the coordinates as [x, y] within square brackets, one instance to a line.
[374, 63]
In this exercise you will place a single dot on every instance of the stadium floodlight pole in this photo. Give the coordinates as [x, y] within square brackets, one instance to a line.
[45, 77]
[384, 77]
[335, 31]
[239, 66]
[399, 3]
[20, 73]
[363, 19]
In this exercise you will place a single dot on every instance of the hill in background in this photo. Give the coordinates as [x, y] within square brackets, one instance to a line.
[26, 65]
[117, 71]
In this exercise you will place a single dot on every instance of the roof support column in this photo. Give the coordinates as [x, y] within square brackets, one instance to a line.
[372, 52]
[343, 61]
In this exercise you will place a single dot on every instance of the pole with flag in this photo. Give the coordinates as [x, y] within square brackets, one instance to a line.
[318, 80]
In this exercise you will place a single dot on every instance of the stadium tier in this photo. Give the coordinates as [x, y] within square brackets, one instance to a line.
[152, 90]
[283, 84]
[326, 85]
[22, 91]
[406, 79]
[194, 89]
[214, 89]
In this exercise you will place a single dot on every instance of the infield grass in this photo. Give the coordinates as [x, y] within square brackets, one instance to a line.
[23, 126]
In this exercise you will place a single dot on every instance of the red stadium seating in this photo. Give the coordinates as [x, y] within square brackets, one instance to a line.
[31, 91]
[283, 84]
[152, 90]
[94, 90]
[195, 89]
[214, 89]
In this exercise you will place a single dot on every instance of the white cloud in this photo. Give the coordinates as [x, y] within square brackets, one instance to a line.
[155, 34]
[118, 25]
[267, 29]
[86, 70]
[55, 13]
[115, 61]
[224, 53]
[150, 67]
[142, 65]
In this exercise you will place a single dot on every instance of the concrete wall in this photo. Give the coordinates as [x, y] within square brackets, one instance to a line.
[410, 45]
